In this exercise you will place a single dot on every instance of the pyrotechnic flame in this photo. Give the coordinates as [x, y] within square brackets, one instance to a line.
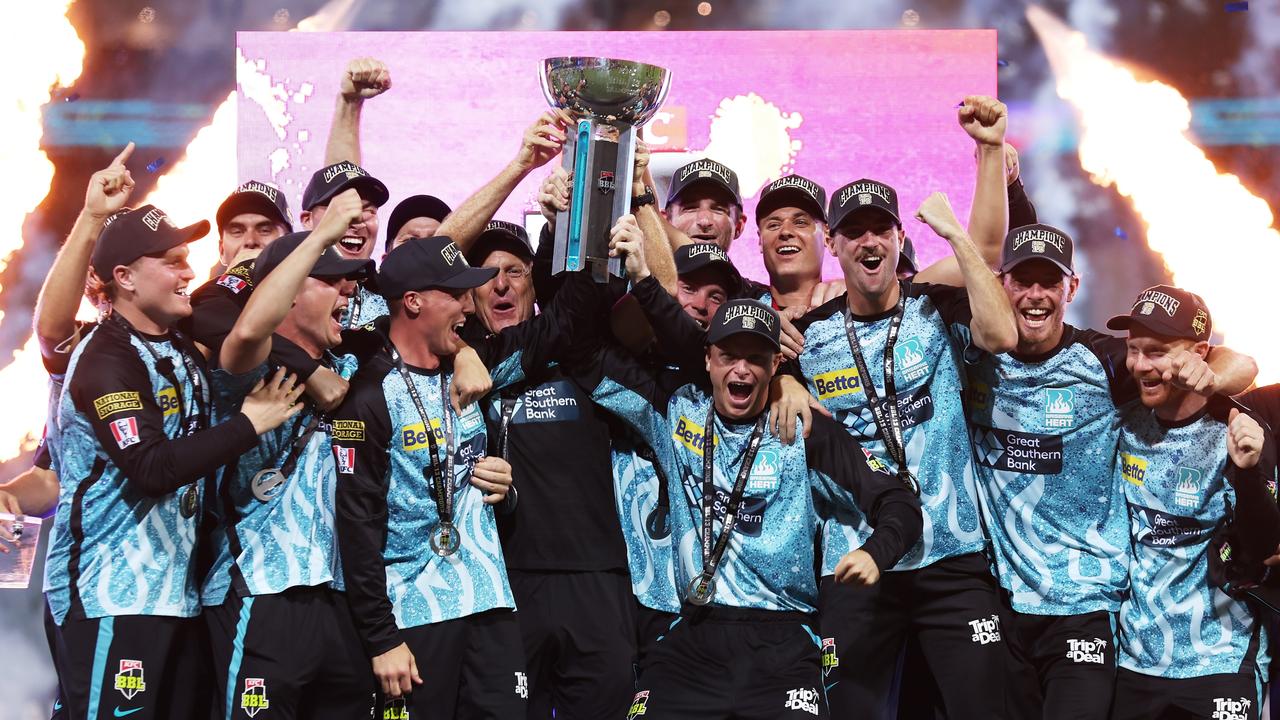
[48, 35]
[1212, 232]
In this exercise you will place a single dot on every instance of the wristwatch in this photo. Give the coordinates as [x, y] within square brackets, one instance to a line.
[639, 201]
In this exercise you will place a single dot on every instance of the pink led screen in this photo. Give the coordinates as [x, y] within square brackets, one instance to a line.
[832, 106]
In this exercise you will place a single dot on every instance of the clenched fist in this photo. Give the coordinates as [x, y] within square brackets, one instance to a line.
[365, 78]
[984, 118]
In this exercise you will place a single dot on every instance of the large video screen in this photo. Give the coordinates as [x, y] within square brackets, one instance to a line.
[832, 106]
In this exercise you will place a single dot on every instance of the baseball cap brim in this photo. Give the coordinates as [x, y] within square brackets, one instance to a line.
[1127, 322]
[467, 279]
[369, 187]
[329, 266]
[1011, 264]
[497, 240]
[789, 197]
[238, 203]
[677, 191]
[416, 206]
[722, 333]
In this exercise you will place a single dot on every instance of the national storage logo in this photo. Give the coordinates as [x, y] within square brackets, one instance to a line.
[837, 383]
[348, 430]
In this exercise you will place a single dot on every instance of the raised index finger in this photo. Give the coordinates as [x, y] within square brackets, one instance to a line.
[124, 155]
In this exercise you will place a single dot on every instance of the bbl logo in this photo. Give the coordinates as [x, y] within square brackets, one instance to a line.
[254, 699]
[605, 183]
[830, 660]
[1059, 407]
[129, 680]
[909, 356]
[395, 709]
[1187, 492]
[639, 705]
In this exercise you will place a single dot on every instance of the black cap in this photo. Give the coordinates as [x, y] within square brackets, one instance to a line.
[135, 233]
[1169, 311]
[745, 316]
[415, 206]
[333, 179]
[500, 235]
[792, 191]
[255, 197]
[331, 263]
[861, 194]
[695, 256]
[704, 172]
[907, 258]
[1037, 242]
[427, 263]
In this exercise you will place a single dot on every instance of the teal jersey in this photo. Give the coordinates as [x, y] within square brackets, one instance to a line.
[277, 532]
[927, 361]
[769, 559]
[1045, 431]
[650, 556]
[1178, 481]
[135, 454]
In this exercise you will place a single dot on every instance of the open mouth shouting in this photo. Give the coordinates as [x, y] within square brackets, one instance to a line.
[1034, 317]
[352, 245]
[739, 395]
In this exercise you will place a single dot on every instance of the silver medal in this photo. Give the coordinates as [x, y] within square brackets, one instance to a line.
[701, 590]
[445, 540]
[187, 502]
[266, 484]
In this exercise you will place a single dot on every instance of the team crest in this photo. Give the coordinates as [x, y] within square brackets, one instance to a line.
[764, 471]
[1059, 407]
[1147, 308]
[254, 699]
[129, 681]
[748, 322]
[864, 198]
[1037, 246]
[1187, 492]
[909, 356]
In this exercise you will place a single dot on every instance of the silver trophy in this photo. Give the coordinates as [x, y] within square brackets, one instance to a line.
[610, 99]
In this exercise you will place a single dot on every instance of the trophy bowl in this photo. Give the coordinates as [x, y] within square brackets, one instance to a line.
[615, 91]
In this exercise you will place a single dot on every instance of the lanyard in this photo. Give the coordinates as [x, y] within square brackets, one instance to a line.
[702, 589]
[657, 524]
[441, 479]
[508, 409]
[188, 500]
[885, 410]
[199, 419]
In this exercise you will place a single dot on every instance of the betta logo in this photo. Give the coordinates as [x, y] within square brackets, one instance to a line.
[1133, 468]
[605, 183]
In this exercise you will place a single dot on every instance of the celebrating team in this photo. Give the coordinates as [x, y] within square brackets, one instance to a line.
[457, 485]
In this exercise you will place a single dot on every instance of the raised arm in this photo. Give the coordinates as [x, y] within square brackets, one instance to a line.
[249, 342]
[994, 327]
[60, 295]
[362, 79]
[845, 473]
[984, 119]
[658, 251]
[541, 143]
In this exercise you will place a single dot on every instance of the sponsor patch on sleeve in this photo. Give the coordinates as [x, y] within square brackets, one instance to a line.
[117, 402]
[125, 431]
[232, 283]
[348, 430]
[346, 459]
